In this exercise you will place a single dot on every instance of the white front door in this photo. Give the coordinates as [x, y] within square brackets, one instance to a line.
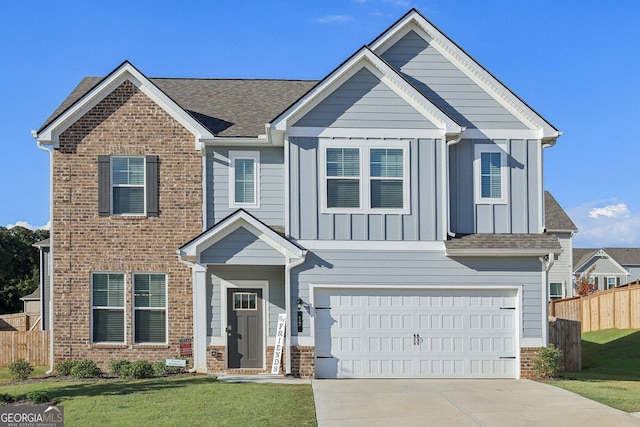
[361, 333]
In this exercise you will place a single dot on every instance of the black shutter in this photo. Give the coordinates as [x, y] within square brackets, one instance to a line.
[152, 185]
[104, 185]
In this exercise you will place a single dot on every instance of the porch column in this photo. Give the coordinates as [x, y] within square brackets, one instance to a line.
[200, 318]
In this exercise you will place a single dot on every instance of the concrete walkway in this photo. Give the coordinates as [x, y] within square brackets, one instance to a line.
[492, 403]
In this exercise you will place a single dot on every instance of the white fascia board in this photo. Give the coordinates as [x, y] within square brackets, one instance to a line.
[240, 220]
[373, 245]
[365, 58]
[125, 72]
[503, 95]
[258, 141]
[502, 252]
[502, 134]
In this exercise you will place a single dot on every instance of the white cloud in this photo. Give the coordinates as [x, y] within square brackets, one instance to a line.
[611, 211]
[25, 224]
[398, 2]
[605, 223]
[333, 19]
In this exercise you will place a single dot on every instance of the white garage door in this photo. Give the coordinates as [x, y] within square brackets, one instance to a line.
[365, 333]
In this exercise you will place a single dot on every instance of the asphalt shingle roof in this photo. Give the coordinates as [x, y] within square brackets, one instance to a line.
[623, 256]
[227, 107]
[555, 217]
[504, 241]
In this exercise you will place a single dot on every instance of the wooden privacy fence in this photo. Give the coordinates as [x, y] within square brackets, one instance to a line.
[566, 335]
[614, 308]
[19, 321]
[32, 346]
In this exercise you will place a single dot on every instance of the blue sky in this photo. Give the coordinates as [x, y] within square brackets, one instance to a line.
[573, 61]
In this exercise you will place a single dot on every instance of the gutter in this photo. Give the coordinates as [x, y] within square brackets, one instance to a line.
[287, 297]
[34, 134]
[448, 146]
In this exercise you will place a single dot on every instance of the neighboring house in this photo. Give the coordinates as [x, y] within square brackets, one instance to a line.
[394, 212]
[31, 302]
[558, 223]
[611, 266]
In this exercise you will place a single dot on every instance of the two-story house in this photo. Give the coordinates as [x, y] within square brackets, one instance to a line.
[393, 210]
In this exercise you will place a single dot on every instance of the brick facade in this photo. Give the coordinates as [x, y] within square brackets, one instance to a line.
[126, 122]
[527, 356]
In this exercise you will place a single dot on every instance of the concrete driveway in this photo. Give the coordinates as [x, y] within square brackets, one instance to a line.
[457, 403]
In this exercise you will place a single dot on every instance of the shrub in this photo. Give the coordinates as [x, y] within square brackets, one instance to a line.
[547, 362]
[20, 370]
[162, 370]
[118, 366]
[37, 397]
[138, 370]
[63, 369]
[5, 398]
[85, 369]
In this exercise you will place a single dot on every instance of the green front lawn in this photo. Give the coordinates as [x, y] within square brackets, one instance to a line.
[610, 369]
[178, 401]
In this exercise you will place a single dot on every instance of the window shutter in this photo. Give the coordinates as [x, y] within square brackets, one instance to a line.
[104, 185]
[618, 281]
[152, 186]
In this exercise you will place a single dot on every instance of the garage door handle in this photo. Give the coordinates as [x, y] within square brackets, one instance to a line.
[324, 357]
[507, 357]
[417, 340]
[507, 308]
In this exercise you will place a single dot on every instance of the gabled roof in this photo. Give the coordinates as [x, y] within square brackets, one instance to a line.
[33, 296]
[191, 250]
[621, 256]
[42, 243]
[556, 219]
[365, 57]
[486, 244]
[213, 107]
[415, 20]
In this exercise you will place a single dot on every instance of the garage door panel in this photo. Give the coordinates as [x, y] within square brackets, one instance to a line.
[413, 333]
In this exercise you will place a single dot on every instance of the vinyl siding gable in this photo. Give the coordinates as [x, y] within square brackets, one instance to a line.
[241, 247]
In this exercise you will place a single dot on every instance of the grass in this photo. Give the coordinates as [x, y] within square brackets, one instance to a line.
[610, 369]
[178, 401]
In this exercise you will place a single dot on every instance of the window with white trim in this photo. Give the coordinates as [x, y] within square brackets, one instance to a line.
[371, 177]
[555, 291]
[150, 308]
[612, 281]
[244, 179]
[107, 307]
[128, 185]
[490, 173]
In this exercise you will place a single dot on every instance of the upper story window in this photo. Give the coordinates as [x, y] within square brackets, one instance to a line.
[490, 174]
[107, 307]
[128, 185]
[127, 182]
[244, 179]
[369, 176]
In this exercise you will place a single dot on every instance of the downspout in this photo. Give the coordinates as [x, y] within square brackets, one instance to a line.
[51, 250]
[287, 297]
[191, 265]
[447, 183]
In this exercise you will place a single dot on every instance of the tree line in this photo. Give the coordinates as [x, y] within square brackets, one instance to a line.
[19, 265]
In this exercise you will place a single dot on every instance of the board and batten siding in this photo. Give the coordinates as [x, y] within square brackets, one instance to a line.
[429, 269]
[447, 86]
[241, 247]
[230, 273]
[523, 208]
[363, 101]
[308, 222]
[271, 210]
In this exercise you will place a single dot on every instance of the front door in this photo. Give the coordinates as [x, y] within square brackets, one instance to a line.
[244, 328]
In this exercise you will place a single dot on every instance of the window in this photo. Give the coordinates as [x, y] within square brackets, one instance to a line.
[611, 282]
[107, 307]
[244, 178]
[370, 178]
[343, 178]
[555, 290]
[245, 301]
[127, 181]
[150, 308]
[386, 174]
[490, 174]
[128, 185]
